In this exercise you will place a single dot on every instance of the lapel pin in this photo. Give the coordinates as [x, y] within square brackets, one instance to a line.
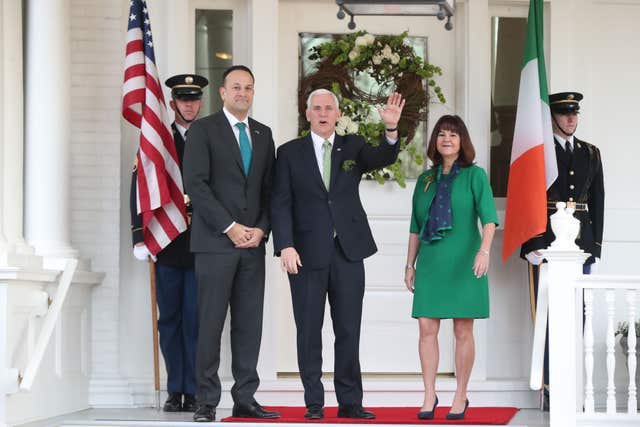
[338, 149]
[256, 131]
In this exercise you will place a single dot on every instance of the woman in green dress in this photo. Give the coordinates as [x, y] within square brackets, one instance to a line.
[448, 258]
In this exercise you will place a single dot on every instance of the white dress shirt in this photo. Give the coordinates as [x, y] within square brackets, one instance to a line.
[233, 120]
[182, 130]
[561, 140]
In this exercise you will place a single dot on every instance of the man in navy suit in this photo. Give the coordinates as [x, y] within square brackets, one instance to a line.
[322, 235]
[228, 173]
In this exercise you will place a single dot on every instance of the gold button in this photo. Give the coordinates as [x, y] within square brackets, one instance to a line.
[572, 187]
[571, 172]
[571, 199]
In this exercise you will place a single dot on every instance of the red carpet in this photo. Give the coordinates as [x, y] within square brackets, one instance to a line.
[479, 415]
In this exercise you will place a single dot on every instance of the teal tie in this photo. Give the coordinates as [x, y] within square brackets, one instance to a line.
[245, 146]
[326, 163]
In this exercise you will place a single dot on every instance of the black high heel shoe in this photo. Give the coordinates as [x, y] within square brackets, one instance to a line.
[459, 415]
[428, 415]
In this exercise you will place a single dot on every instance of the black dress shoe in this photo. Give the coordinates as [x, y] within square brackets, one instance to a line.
[189, 403]
[428, 415]
[254, 410]
[314, 413]
[355, 411]
[173, 403]
[205, 414]
[460, 415]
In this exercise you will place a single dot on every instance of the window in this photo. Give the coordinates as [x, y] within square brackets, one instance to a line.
[507, 44]
[213, 52]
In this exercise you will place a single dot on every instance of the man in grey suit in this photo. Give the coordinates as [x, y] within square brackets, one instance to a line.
[229, 160]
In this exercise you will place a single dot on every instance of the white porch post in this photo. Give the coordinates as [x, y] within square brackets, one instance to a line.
[12, 137]
[48, 130]
[3, 239]
[473, 77]
[263, 18]
[565, 265]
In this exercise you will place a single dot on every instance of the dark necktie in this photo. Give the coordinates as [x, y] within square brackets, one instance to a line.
[567, 147]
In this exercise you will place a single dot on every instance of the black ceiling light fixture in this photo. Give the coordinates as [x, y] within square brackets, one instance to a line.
[440, 8]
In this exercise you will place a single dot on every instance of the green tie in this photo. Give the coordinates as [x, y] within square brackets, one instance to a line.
[326, 163]
[245, 146]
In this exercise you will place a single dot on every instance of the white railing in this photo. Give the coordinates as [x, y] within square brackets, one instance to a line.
[611, 286]
[572, 342]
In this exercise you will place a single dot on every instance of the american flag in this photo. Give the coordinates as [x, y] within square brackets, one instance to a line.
[159, 186]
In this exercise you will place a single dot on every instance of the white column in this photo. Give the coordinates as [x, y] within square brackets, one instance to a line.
[3, 142]
[473, 78]
[48, 48]
[263, 24]
[4, 326]
[11, 133]
[565, 265]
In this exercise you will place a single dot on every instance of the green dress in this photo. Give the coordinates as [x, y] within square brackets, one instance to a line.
[445, 285]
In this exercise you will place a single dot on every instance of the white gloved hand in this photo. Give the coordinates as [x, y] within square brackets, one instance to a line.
[594, 267]
[141, 252]
[534, 258]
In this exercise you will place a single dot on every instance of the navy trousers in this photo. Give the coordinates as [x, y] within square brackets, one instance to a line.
[177, 295]
[343, 283]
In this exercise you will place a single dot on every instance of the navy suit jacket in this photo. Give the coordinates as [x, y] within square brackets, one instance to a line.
[304, 214]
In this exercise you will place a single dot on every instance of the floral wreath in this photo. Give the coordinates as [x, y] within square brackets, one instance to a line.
[394, 66]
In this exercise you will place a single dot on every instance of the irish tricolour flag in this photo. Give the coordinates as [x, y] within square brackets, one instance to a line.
[533, 162]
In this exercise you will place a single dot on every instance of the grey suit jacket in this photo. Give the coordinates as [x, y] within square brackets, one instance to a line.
[215, 181]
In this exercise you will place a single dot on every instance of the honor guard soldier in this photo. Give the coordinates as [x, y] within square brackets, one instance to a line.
[176, 287]
[580, 184]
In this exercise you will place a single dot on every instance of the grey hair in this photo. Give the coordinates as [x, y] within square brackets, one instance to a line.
[322, 92]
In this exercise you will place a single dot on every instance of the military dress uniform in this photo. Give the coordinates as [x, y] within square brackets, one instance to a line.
[580, 184]
[176, 287]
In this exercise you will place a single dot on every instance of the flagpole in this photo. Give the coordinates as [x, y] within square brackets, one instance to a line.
[154, 322]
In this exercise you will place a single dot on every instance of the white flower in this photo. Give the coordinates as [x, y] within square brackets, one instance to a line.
[352, 127]
[395, 58]
[386, 51]
[377, 59]
[343, 123]
[365, 40]
[361, 41]
[354, 54]
[373, 116]
[370, 39]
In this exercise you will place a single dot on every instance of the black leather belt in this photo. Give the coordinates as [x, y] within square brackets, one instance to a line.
[578, 207]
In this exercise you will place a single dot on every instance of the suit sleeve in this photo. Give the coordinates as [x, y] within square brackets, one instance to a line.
[197, 164]
[137, 235]
[596, 206]
[264, 220]
[281, 204]
[375, 157]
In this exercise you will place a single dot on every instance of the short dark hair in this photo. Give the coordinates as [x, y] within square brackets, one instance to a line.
[234, 68]
[453, 124]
